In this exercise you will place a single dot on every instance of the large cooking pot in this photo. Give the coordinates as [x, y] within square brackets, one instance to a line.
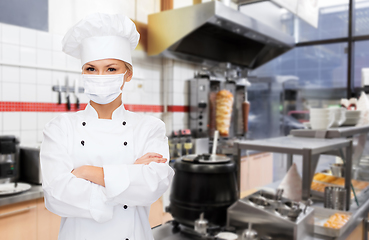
[203, 184]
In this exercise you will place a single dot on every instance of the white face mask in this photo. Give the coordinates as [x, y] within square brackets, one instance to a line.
[103, 89]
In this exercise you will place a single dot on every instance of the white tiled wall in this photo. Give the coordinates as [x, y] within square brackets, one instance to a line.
[31, 62]
[176, 74]
[23, 55]
[145, 87]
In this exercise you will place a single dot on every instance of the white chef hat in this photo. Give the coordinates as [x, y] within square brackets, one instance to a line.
[102, 36]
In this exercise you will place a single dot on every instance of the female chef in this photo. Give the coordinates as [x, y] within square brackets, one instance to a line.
[104, 166]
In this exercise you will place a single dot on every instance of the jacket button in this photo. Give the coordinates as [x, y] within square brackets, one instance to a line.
[84, 124]
[83, 143]
[125, 143]
[125, 206]
[124, 123]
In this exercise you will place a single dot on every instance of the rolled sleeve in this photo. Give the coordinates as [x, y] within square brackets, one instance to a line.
[138, 184]
[116, 179]
[65, 194]
[101, 210]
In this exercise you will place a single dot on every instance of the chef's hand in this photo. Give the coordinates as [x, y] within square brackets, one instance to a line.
[90, 173]
[79, 172]
[150, 157]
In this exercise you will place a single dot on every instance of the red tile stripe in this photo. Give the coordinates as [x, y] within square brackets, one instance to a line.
[54, 107]
[143, 108]
[178, 108]
[37, 107]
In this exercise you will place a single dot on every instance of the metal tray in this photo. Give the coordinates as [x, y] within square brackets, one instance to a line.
[320, 195]
[357, 189]
[322, 215]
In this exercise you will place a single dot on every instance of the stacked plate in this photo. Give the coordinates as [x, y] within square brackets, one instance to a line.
[352, 117]
[12, 188]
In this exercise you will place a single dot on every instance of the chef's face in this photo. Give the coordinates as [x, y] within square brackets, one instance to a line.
[107, 66]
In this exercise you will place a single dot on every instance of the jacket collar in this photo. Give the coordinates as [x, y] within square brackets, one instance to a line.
[117, 114]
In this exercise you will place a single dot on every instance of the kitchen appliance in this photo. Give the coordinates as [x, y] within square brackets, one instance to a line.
[202, 104]
[199, 89]
[201, 224]
[200, 145]
[203, 184]
[335, 197]
[67, 95]
[278, 219]
[250, 234]
[212, 32]
[30, 170]
[76, 94]
[338, 169]
[9, 159]
[226, 236]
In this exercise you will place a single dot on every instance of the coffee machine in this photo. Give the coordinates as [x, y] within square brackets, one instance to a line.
[9, 159]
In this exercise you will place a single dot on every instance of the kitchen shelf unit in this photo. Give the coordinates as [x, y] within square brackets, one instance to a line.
[310, 150]
[357, 134]
[331, 132]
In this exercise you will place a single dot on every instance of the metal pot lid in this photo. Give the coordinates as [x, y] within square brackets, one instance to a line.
[206, 158]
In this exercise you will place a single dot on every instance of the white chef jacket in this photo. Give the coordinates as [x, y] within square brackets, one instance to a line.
[120, 209]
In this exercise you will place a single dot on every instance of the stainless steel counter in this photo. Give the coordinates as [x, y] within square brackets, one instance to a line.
[358, 213]
[34, 193]
[310, 150]
[167, 232]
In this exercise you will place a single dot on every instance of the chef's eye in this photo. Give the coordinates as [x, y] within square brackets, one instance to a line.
[90, 69]
[112, 69]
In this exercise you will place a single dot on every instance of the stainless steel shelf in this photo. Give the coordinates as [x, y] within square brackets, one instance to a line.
[293, 145]
[309, 148]
[358, 135]
[341, 132]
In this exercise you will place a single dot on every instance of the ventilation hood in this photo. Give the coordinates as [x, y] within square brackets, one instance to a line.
[210, 33]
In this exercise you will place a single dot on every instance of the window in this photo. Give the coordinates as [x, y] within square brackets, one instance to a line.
[361, 60]
[361, 17]
[332, 23]
[318, 66]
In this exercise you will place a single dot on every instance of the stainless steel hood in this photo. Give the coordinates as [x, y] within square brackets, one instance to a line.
[211, 32]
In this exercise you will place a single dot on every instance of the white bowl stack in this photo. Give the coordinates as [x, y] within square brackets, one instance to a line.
[323, 118]
[320, 118]
[352, 117]
[337, 116]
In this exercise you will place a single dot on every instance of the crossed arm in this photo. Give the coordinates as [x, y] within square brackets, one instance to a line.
[96, 174]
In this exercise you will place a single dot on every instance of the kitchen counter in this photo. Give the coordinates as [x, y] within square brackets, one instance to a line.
[358, 213]
[34, 193]
[167, 232]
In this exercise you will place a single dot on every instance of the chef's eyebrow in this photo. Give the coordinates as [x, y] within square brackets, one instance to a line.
[111, 64]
